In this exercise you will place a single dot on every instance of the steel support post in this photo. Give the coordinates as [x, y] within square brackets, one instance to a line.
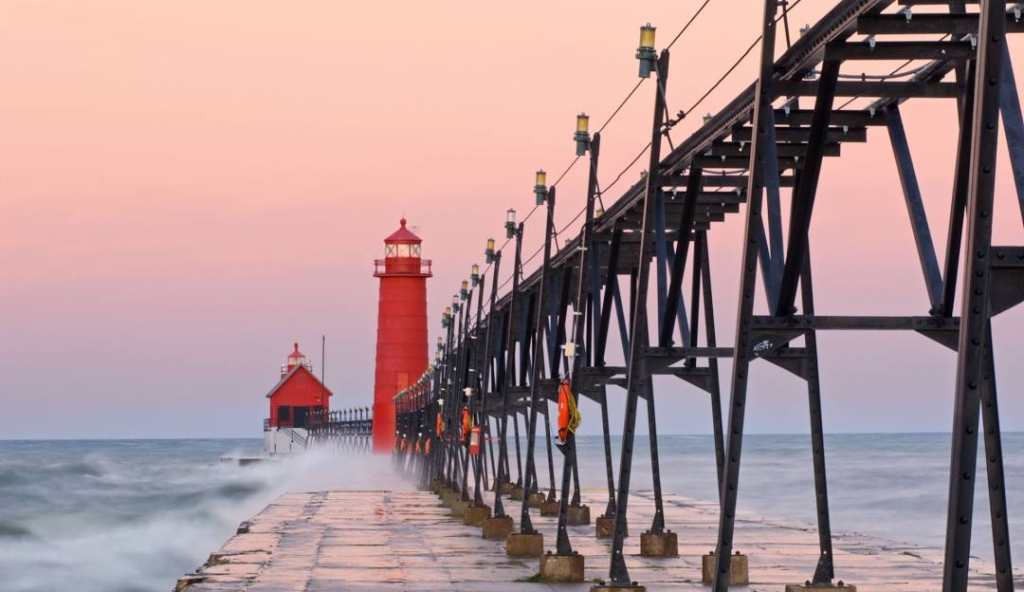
[637, 376]
[1013, 125]
[994, 470]
[468, 345]
[712, 342]
[915, 206]
[956, 211]
[763, 95]
[525, 525]
[610, 291]
[806, 190]
[693, 185]
[507, 377]
[825, 570]
[482, 378]
[972, 365]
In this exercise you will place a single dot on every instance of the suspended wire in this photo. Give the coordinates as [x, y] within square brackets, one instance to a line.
[628, 166]
[688, 23]
[736, 64]
[612, 117]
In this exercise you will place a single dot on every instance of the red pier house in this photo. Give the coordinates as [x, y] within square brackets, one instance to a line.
[401, 328]
[297, 394]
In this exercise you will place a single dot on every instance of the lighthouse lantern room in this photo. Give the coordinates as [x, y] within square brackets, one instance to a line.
[401, 328]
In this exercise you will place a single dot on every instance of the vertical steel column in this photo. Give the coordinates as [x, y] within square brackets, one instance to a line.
[525, 525]
[638, 378]
[807, 188]
[915, 206]
[1013, 125]
[764, 94]
[994, 466]
[825, 570]
[482, 379]
[972, 364]
[712, 341]
[468, 349]
[508, 377]
[693, 184]
[959, 200]
[610, 291]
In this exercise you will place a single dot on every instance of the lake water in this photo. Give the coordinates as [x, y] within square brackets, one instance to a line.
[133, 515]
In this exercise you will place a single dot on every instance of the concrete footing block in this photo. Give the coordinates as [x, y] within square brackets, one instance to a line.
[809, 587]
[739, 573]
[435, 486]
[448, 497]
[497, 528]
[517, 494]
[506, 488]
[548, 508]
[659, 544]
[564, 569]
[475, 515]
[536, 499]
[606, 527]
[580, 516]
[524, 544]
[459, 508]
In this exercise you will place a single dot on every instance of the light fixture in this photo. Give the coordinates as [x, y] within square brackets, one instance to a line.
[510, 223]
[464, 290]
[582, 135]
[540, 187]
[707, 118]
[645, 53]
[489, 251]
[440, 343]
[599, 212]
[475, 275]
[437, 357]
[468, 392]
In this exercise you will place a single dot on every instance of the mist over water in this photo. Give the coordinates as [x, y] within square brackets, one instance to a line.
[112, 516]
[126, 516]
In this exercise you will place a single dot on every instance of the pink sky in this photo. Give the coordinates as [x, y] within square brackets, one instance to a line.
[189, 187]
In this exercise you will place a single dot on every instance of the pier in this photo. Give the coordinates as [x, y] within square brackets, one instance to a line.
[595, 314]
[406, 540]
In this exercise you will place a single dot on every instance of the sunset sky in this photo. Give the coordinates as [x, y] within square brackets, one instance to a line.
[189, 187]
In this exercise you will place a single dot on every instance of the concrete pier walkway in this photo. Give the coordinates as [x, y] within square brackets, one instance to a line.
[387, 540]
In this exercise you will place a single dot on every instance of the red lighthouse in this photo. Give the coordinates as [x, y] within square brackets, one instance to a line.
[401, 328]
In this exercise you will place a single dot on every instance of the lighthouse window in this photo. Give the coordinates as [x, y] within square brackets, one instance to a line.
[403, 250]
[389, 250]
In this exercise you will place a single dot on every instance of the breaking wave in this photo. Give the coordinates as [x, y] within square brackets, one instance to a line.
[127, 516]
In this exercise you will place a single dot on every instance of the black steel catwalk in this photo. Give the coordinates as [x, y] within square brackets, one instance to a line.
[506, 362]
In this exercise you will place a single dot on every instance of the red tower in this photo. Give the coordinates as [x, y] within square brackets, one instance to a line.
[401, 328]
